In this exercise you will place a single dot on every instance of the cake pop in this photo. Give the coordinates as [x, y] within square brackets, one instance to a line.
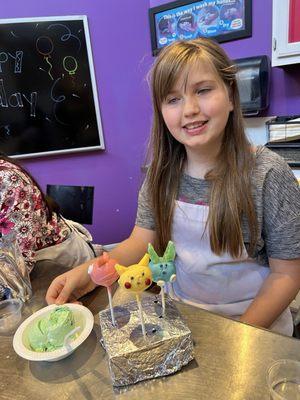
[163, 268]
[105, 275]
[136, 278]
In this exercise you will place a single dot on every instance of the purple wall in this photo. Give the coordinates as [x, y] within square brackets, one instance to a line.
[285, 88]
[122, 56]
[121, 51]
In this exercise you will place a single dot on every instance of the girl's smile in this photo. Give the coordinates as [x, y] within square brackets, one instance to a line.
[195, 128]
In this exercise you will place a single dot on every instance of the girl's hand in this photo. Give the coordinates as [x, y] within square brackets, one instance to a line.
[71, 285]
[75, 283]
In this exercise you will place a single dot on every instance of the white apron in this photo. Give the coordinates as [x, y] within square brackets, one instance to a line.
[219, 284]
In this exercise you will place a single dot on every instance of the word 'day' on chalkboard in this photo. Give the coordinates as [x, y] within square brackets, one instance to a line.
[48, 95]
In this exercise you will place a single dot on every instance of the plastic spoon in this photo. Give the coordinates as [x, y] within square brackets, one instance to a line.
[68, 335]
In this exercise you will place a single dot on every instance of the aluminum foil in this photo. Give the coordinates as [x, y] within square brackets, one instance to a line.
[13, 271]
[167, 348]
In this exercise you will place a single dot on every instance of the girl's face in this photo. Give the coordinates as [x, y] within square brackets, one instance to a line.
[197, 109]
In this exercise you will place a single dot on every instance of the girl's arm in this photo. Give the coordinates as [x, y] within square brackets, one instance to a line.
[132, 250]
[276, 293]
[75, 283]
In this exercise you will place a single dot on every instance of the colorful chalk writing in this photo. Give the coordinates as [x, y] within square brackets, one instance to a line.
[44, 46]
[48, 96]
[70, 64]
[18, 57]
[68, 35]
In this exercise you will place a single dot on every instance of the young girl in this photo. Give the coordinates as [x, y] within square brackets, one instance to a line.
[232, 209]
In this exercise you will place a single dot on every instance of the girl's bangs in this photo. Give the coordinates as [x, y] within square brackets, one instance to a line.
[175, 67]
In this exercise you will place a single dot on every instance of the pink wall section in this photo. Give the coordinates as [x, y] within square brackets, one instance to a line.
[294, 26]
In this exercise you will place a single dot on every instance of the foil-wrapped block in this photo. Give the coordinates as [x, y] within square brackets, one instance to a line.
[132, 358]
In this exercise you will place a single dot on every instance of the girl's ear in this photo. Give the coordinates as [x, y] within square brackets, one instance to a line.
[169, 254]
[120, 269]
[153, 255]
[144, 261]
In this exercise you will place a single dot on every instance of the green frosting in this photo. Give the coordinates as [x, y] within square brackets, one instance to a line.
[48, 333]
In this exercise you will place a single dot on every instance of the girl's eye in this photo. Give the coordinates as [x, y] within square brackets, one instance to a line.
[172, 100]
[143, 273]
[203, 90]
[132, 278]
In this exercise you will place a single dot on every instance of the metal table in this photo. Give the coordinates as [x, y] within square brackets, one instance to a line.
[231, 359]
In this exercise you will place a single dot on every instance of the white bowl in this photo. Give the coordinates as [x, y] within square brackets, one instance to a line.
[83, 318]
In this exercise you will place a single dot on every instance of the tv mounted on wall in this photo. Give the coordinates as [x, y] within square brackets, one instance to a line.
[222, 20]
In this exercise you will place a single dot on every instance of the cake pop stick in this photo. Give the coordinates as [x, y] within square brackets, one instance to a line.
[138, 300]
[111, 305]
[105, 275]
[162, 293]
[163, 269]
[136, 278]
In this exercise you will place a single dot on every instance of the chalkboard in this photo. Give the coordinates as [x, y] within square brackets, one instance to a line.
[48, 94]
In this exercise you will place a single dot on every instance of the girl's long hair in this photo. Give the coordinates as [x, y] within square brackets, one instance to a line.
[230, 193]
[51, 205]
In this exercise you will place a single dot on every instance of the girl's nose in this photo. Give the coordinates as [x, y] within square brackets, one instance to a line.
[191, 106]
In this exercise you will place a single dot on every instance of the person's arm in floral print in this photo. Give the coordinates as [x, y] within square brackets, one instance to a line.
[21, 209]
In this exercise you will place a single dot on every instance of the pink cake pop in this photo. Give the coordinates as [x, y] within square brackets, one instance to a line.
[104, 274]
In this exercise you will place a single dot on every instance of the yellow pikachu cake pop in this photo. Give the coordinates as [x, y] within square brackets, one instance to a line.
[135, 278]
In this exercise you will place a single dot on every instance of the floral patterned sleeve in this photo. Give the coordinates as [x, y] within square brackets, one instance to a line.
[21, 209]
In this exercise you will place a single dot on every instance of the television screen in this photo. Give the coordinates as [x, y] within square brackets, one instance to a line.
[75, 202]
[182, 20]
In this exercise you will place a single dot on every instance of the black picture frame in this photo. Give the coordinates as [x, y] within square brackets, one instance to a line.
[48, 92]
[178, 9]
